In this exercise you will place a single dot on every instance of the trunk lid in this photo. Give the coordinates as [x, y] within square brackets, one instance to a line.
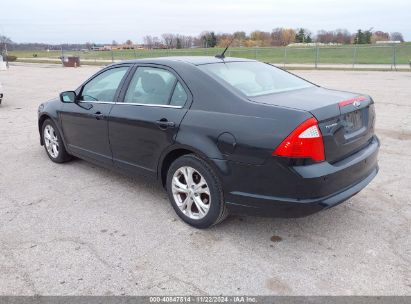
[346, 126]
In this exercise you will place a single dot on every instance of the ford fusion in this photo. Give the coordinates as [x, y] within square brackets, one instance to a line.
[222, 135]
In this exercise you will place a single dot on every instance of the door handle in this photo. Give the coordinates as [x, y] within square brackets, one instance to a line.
[165, 124]
[98, 115]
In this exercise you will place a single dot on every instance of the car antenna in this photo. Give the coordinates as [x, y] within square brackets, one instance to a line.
[222, 55]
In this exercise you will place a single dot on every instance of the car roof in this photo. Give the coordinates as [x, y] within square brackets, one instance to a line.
[195, 60]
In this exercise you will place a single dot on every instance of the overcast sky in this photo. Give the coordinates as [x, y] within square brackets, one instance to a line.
[100, 21]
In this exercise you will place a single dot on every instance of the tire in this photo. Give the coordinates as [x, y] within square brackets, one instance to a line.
[57, 153]
[203, 206]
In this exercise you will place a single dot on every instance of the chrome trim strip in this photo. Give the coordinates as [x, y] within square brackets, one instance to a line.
[102, 102]
[148, 105]
[133, 104]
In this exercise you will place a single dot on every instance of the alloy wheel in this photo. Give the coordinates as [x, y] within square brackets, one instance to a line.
[191, 192]
[51, 141]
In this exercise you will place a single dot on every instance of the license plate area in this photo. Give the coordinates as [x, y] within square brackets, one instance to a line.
[353, 121]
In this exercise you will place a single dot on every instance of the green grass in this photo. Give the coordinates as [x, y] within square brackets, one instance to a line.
[363, 54]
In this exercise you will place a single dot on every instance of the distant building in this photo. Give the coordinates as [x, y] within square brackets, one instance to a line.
[314, 44]
[123, 47]
[98, 48]
[388, 42]
[118, 47]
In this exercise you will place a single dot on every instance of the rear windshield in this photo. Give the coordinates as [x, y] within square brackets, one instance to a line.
[255, 78]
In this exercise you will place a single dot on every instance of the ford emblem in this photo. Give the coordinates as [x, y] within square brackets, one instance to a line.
[356, 104]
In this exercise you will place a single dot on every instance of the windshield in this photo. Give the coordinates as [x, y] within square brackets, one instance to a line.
[255, 78]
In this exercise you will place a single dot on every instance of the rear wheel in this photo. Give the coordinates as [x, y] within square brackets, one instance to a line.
[53, 143]
[195, 192]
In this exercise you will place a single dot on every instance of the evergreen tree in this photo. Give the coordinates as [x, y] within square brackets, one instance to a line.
[363, 37]
[212, 40]
[359, 37]
[303, 36]
[178, 43]
[300, 36]
[367, 37]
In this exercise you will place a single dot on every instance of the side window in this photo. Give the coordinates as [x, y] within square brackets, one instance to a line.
[179, 97]
[150, 86]
[104, 86]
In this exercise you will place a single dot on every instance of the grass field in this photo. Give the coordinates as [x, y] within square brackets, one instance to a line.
[364, 54]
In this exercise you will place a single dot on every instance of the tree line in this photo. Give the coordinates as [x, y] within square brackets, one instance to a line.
[277, 37]
[207, 39]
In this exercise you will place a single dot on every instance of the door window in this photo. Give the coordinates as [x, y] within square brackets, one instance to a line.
[179, 97]
[104, 86]
[154, 86]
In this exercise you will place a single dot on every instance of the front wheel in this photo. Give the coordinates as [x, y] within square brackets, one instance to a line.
[195, 192]
[53, 143]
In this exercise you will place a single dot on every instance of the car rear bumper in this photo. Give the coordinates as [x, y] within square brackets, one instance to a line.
[281, 191]
[279, 207]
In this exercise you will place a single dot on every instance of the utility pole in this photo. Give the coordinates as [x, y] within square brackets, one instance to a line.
[285, 55]
[62, 55]
[354, 59]
[7, 54]
[394, 57]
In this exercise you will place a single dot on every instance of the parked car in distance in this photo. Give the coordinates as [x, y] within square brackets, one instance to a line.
[221, 134]
[1, 92]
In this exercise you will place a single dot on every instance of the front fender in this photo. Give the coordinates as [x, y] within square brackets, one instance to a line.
[50, 110]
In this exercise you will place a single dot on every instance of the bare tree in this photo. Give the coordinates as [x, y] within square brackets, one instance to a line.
[169, 40]
[282, 36]
[148, 41]
[276, 36]
[4, 41]
[287, 36]
[342, 36]
[156, 42]
[396, 36]
[240, 35]
[380, 36]
[185, 41]
[260, 38]
[338, 36]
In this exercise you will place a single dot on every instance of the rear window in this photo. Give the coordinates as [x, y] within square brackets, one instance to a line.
[255, 78]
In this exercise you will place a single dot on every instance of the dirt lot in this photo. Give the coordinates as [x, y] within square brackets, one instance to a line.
[80, 229]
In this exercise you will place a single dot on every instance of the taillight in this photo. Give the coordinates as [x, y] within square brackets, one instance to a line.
[305, 141]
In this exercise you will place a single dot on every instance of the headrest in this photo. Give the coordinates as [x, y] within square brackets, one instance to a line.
[152, 83]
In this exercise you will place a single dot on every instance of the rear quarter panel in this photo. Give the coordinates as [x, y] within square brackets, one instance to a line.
[239, 137]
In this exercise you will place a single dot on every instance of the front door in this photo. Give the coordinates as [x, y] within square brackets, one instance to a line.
[85, 123]
[147, 120]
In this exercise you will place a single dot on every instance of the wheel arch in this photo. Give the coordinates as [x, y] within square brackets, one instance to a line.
[41, 121]
[176, 151]
[43, 117]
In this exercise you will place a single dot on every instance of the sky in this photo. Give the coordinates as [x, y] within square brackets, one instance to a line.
[99, 21]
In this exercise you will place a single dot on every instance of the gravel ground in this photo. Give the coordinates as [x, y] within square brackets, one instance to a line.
[77, 229]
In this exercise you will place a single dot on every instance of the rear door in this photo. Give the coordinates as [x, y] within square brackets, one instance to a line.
[146, 119]
[85, 124]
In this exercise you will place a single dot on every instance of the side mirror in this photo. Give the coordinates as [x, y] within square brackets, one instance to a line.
[68, 96]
